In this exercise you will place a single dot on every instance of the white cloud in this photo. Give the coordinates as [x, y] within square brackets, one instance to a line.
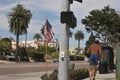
[3, 21]
[82, 9]
[43, 5]
[7, 7]
[54, 6]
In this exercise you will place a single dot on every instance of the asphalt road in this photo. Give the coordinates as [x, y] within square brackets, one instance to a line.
[16, 68]
[21, 71]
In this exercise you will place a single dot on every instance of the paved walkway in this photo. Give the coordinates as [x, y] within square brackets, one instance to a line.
[107, 76]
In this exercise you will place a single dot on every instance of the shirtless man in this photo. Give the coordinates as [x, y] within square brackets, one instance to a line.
[95, 51]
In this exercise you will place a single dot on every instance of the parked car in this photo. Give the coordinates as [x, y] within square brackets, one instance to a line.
[56, 60]
[10, 57]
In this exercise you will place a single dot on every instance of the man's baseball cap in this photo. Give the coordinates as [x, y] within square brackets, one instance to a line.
[96, 40]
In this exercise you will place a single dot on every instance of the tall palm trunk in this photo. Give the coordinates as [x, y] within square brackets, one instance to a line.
[78, 44]
[17, 43]
[78, 49]
[25, 40]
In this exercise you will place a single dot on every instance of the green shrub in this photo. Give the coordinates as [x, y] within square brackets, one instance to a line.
[118, 78]
[55, 55]
[52, 76]
[76, 57]
[78, 74]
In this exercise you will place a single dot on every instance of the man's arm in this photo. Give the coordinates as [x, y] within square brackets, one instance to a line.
[89, 50]
[100, 51]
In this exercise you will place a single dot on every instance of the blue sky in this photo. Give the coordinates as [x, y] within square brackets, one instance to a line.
[51, 8]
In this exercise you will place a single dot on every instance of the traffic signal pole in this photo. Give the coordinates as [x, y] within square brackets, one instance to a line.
[68, 20]
[64, 45]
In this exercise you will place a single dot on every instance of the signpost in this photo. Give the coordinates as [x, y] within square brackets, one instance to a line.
[64, 45]
[68, 20]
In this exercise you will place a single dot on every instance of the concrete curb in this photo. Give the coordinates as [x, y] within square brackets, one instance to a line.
[5, 62]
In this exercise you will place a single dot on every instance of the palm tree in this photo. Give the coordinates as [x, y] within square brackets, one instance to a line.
[42, 31]
[37, 36]
[79, 36]
[18, 20]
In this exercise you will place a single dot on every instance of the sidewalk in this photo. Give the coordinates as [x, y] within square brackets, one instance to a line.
[107, 76]
[4, 62]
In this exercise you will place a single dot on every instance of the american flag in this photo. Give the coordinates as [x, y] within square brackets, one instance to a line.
[48, 32]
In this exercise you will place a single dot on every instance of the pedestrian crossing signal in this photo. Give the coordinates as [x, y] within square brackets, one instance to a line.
[68, 18]
[79, 0]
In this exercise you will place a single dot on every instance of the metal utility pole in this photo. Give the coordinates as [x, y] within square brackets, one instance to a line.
[64, 45]
[68, 20]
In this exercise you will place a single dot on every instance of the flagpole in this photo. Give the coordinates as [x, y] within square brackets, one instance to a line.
[48, 33]
[46, 57]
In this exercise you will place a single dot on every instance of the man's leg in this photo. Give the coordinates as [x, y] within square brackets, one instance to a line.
[95, 70]
[95, 66]
[91, 72]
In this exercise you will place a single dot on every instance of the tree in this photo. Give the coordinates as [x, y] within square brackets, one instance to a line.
[104, 23]
[31, 51]
[90, 41]
[42, 49]
[37, 36]
[18, 20]
[22, 54]
[79, 36]
[42, 31]
[5, 46]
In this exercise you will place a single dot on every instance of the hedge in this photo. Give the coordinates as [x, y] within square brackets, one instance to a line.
[77, 74]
